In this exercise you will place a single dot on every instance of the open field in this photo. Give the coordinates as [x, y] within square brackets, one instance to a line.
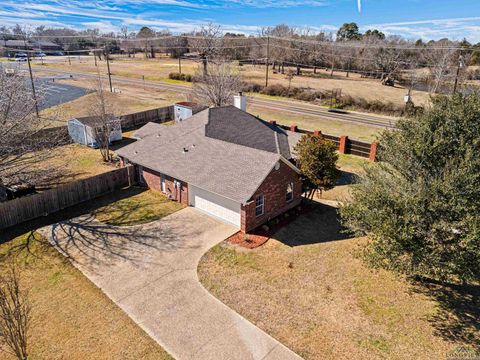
[160, 67]
[309, 288]
[71, 317]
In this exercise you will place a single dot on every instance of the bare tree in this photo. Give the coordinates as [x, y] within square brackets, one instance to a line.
[25, 139]
[14, 315]
[102, 115]
[218, 87]
[441, 60]
[289, 77]
[207, 42]
[385, 57]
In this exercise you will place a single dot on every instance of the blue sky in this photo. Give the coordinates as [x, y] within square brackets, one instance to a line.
[427, 19]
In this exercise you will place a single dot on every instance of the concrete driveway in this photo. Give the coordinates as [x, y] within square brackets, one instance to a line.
[150, 271]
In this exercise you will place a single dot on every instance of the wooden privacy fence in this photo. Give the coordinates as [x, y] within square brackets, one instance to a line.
[16, 211]
[343, 143]
[155, 115]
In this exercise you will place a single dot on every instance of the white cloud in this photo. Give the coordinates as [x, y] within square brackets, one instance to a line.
[453, 28]
[275, 4]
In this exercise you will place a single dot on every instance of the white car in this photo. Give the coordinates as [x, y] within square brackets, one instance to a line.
[20, 57]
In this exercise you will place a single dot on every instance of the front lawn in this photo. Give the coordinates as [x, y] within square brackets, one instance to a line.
[134, 206]
[71, 317]
[308, 289]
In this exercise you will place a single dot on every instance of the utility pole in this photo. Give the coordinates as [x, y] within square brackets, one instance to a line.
[179, 64]
[268, 60]
[108, 69]
[33, 83]
[460, 65]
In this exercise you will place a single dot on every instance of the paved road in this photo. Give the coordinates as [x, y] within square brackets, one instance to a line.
[150, 271]
[289, 106]
[57, 93]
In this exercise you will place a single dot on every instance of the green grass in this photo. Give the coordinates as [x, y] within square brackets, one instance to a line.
[231, 258]
[150, 77]
[139, 206]
[352, 163]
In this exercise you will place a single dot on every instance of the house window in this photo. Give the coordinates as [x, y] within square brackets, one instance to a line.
[259, 205]
[289, 194]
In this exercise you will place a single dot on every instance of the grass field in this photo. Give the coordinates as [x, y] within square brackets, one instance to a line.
[71, 318]
[160, 67]
[309, 288]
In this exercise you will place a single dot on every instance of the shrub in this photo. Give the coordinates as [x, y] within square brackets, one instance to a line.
[251, 87]
[182, 77]
[275, 90]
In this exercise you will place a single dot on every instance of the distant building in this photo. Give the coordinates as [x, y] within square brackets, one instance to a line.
[47, 47]
[82, 130]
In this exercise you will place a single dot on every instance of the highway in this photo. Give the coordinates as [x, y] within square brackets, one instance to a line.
[289, 106]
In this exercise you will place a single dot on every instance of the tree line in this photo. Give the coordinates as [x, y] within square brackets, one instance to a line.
[372, 54]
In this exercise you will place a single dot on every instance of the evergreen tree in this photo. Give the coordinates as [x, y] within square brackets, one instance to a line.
[420, 206]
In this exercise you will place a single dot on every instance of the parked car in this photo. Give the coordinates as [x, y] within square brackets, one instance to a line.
[20, 57]
[40, 54]
[57, 53]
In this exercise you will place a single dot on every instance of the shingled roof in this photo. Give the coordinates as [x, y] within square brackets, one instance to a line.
[223, 150]
[239, 127]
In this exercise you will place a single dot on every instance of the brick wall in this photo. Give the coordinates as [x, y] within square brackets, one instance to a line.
[274, 189]
[153, 180]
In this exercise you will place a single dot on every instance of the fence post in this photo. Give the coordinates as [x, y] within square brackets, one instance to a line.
[294, 128]
[373, 151]
[342, 149]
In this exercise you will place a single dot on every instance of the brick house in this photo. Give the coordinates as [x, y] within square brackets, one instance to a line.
[224, 162]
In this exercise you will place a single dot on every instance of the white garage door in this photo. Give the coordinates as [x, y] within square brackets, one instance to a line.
[215, 205]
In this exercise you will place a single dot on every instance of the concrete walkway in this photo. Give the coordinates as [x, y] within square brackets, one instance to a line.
[151, 273]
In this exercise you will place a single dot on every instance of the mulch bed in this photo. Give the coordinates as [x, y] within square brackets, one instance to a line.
[262, 234]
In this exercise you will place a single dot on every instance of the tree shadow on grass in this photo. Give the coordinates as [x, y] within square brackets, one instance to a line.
[346, 178]
[120, 144]
[458, 315]
[82, 239]
[320, 223]
[88, 207]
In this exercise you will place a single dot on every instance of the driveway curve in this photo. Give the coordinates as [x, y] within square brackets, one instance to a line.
[150, 271]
